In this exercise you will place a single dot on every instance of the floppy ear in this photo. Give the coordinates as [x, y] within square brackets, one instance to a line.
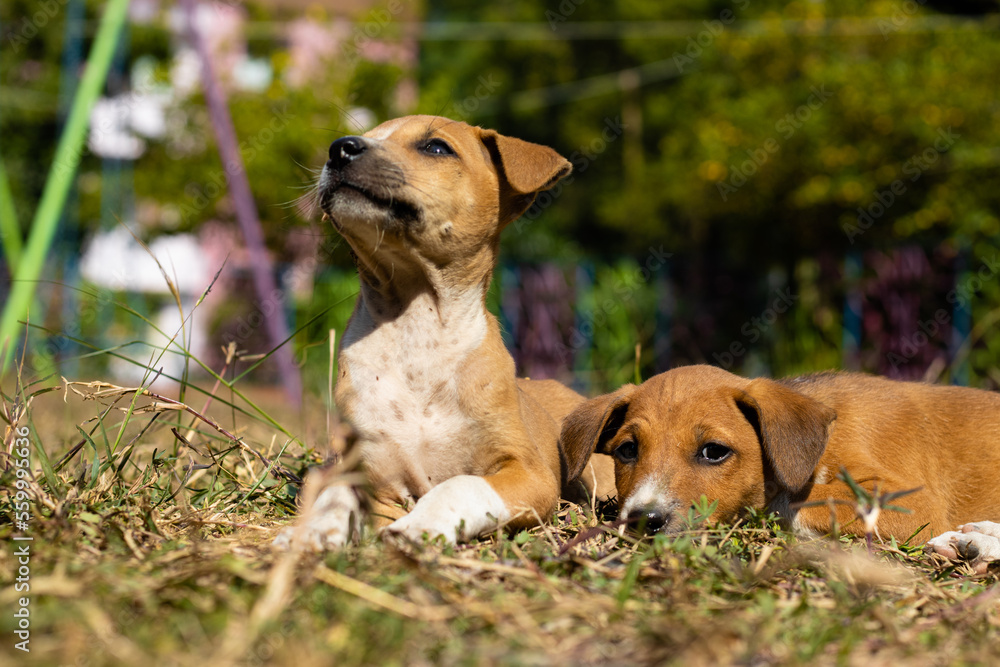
[589, 428]
[525, 169]
[793, 429]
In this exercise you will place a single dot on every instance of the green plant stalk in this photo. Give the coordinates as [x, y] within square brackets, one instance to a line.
[67, 159]
[631, 576]
[10, 231]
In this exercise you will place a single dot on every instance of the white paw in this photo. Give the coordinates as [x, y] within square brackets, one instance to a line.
[977, 542]
[458, 509]
[327, 525]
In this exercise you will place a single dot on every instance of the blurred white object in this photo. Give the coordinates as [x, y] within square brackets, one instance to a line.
[116, 123]
[109, 131]
[114, 260]
[253, 74]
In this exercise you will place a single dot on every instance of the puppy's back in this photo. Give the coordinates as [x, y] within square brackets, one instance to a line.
[945, 439]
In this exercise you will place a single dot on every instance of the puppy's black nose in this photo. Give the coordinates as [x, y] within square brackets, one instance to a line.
[649, 520]
[346, 149]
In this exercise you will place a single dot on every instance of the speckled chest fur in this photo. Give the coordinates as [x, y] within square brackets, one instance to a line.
[403, 380]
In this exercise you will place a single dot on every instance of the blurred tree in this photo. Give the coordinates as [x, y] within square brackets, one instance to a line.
[771, 133]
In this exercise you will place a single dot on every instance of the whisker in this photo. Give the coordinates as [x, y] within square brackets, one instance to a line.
[311, 170]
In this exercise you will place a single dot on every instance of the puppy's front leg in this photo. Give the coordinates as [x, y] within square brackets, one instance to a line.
[327, 523]
[466, 506]
[331, 513]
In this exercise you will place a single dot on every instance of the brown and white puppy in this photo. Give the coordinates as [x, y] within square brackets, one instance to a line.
[774, 444]
[452, 443]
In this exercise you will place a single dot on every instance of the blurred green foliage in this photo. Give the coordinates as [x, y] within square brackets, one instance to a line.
[616, 313]
[751, 156]
[327, 314]
[755, 140]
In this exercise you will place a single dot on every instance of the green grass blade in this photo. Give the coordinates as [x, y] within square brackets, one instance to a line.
[125, 457]
[306, 324]
[61, 175]
[859, 492]
[631, 576]
[267, 472]
[10, 231]
[43, 460]
[121, 429]
[96, 465]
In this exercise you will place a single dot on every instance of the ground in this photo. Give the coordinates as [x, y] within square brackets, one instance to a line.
[152, 525]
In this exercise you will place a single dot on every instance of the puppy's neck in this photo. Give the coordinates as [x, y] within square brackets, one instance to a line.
[413, 327]
[450, 306]
[390, 286]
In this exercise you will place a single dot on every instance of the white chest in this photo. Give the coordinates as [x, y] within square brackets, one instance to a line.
[404, 400]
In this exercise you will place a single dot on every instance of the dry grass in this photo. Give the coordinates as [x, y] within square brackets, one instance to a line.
[152, 523]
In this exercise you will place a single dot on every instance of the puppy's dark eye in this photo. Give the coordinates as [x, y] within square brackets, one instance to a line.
[713, 452]
[627, 452]
[437, 147]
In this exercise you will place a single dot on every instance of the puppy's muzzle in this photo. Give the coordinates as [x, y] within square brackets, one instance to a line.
[658, 516]
[354, 166]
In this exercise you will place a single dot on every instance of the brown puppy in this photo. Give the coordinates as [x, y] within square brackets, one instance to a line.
[452, 443]
[763, 443]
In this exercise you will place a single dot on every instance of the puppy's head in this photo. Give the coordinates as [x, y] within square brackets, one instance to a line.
[433, 189]
[700, 430]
